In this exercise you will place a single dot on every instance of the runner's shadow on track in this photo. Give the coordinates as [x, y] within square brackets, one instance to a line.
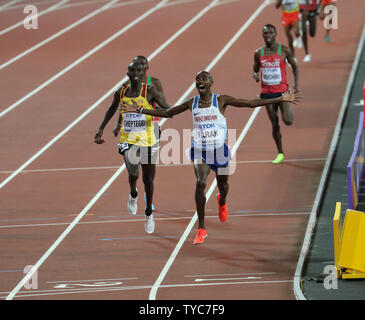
[163, 241]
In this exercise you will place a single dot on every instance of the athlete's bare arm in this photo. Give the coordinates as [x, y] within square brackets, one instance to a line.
[108, 115]
[289, 56]
[158, 85]
[155, 95]
[164, 113]
[155, 83]
[225, 101]
[256, 65]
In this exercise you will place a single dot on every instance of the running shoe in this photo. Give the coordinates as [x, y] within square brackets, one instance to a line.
[132, 205]
[299, 42]
[145, 203]
[149, 224]
[279, 158]
[223, 212]
[307, 58]
[200, 236]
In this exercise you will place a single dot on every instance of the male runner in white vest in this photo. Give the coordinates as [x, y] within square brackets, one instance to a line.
[209, 151]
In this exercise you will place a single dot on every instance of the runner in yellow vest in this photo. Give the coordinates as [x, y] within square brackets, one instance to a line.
[137, 137]
[151, 81]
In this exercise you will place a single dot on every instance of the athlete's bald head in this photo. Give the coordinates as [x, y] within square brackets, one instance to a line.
[134, 65]
[143, 61]
[204, 74]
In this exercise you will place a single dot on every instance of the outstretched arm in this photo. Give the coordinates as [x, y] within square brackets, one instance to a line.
[156, 84]
[293, 63]
[163, 113]
[253, 103]
[108, 115]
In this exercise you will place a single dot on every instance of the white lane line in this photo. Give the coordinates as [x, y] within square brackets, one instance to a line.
[227, 279]
[306, 246]
[67, 5]
[71, 66]
[158, 165]
[257, 215]
[171, 259]
[89, 2]
[52, 292]
[112, 90]
[157, 284]
[61, 32]
[84, 57]
[2, 7]
[139, 1]
[111, 180]
[180, 2]
[63, 235]
[152, 295]
[107, 94]
[21, 23]
[94, 280]
[91, 108]
[229, 274]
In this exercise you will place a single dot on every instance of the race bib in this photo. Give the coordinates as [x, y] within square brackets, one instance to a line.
[290, 4]
[208, 135]
[271, 76]
[134, 122]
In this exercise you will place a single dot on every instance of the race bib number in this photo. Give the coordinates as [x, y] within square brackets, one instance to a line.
[134, 122]
[271, 76]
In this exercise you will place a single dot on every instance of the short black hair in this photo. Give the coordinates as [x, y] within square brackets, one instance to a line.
[140, 58]
[134, 63]
[269, 26]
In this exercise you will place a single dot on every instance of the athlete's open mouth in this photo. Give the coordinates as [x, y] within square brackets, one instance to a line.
[134, 79]
[201, 87]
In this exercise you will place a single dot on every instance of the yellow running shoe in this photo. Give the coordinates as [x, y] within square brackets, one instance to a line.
[279, 158]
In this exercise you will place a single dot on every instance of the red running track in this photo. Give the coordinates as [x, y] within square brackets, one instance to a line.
[107, 254]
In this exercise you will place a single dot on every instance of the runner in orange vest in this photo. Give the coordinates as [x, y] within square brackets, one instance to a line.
[290, 18]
